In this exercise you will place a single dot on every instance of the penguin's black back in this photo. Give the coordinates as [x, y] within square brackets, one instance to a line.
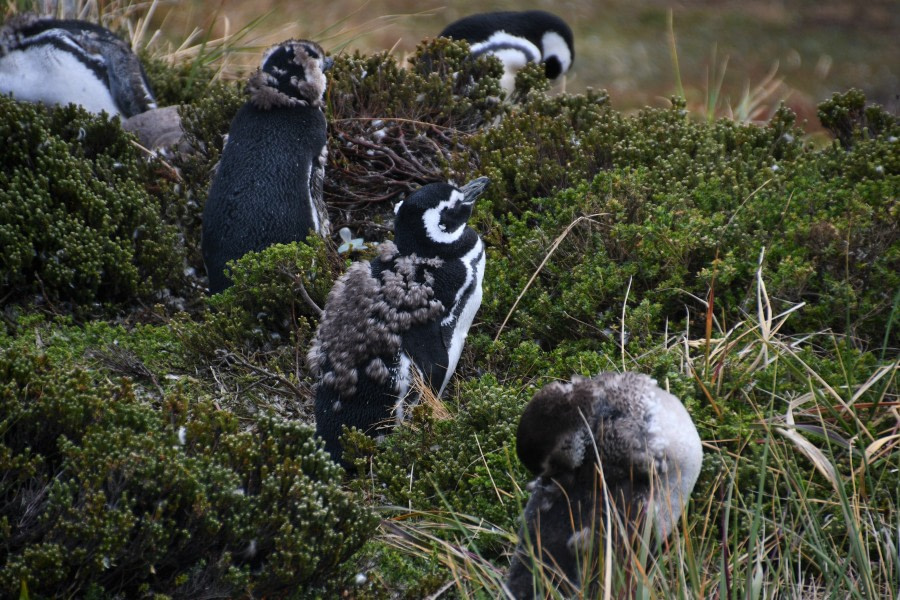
[260, 195]
[529, 24]
[368, 410]
[73, 26]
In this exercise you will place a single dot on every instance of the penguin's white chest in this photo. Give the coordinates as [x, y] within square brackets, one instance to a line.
[514, 53]
[44, 73]
[465, 305]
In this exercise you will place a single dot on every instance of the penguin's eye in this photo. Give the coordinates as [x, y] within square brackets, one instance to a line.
[455, 215]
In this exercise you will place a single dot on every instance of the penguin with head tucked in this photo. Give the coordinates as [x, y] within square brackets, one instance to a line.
[617, 431]
[268, 186]
[518, 38]
[62, 61]
[404, 314]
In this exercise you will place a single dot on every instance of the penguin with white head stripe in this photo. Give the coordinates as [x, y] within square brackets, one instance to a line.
[268, 187]
[617, 436]
[62, 61]
[518, 38]
[406, 312]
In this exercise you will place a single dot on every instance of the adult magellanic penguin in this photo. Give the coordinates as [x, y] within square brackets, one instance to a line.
[518, 38]
[618, 430]
[268, 186]
[407, 311]
[62, 61]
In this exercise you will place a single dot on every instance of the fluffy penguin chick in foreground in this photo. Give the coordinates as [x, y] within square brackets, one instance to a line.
[268, 186]
[645, 441]
[409, 309]
[62, 61]
[518, 38]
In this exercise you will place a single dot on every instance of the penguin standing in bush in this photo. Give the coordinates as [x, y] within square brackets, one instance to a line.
[403, 316]
[268, 186]
[63, 61]
[518, 38]
[616, 436]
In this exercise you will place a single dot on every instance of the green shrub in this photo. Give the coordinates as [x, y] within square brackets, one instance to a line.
[848, 118]
[462, 463]
[265, 307]
[77, 222]
[105, 496]
[674, 208]
[180, 83]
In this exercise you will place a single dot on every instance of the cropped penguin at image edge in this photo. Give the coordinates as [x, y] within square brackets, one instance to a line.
[649, 455]
[518, 38]
[268, 186]
[405, 314]
[63, 61]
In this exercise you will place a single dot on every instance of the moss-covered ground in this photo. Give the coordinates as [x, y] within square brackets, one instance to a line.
[155, 442]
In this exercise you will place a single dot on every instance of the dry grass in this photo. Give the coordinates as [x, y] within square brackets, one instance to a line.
[736, 60]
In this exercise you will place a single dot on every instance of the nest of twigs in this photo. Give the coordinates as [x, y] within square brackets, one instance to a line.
[393, 129]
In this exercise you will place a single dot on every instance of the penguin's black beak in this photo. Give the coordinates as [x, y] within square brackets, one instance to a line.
[327, 63]
[474, 188]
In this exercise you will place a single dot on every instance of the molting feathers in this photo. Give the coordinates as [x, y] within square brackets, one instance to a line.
[292, 73]
[405, 313]
[365, 317]
[617, 431]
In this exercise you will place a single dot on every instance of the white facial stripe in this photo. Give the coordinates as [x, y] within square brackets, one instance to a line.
[554, 45]
[267, 54]
[432, 220]
[397, 207]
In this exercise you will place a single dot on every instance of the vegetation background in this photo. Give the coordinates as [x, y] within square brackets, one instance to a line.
[799, 51]
[153, 440]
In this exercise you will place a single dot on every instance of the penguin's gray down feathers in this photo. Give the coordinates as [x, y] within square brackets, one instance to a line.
[365, 317]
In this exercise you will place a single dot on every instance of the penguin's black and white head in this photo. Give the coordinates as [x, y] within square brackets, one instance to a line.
[433, 220]
[292, 73]
[557, 47]
[518, 38]
[554, 430]
[62, 61]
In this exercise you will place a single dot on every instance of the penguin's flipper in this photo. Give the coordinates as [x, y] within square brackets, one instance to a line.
[427, 345]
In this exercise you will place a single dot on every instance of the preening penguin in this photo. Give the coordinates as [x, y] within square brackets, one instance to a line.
[62, 61]
[518, 38]
[410, 309]
[649, 456]
[268, 187]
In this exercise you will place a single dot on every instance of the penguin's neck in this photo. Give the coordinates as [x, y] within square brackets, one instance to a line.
[409, 242]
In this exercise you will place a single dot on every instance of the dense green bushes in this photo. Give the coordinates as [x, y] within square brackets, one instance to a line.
[676, 208]
[103, 495]
[79, 221]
